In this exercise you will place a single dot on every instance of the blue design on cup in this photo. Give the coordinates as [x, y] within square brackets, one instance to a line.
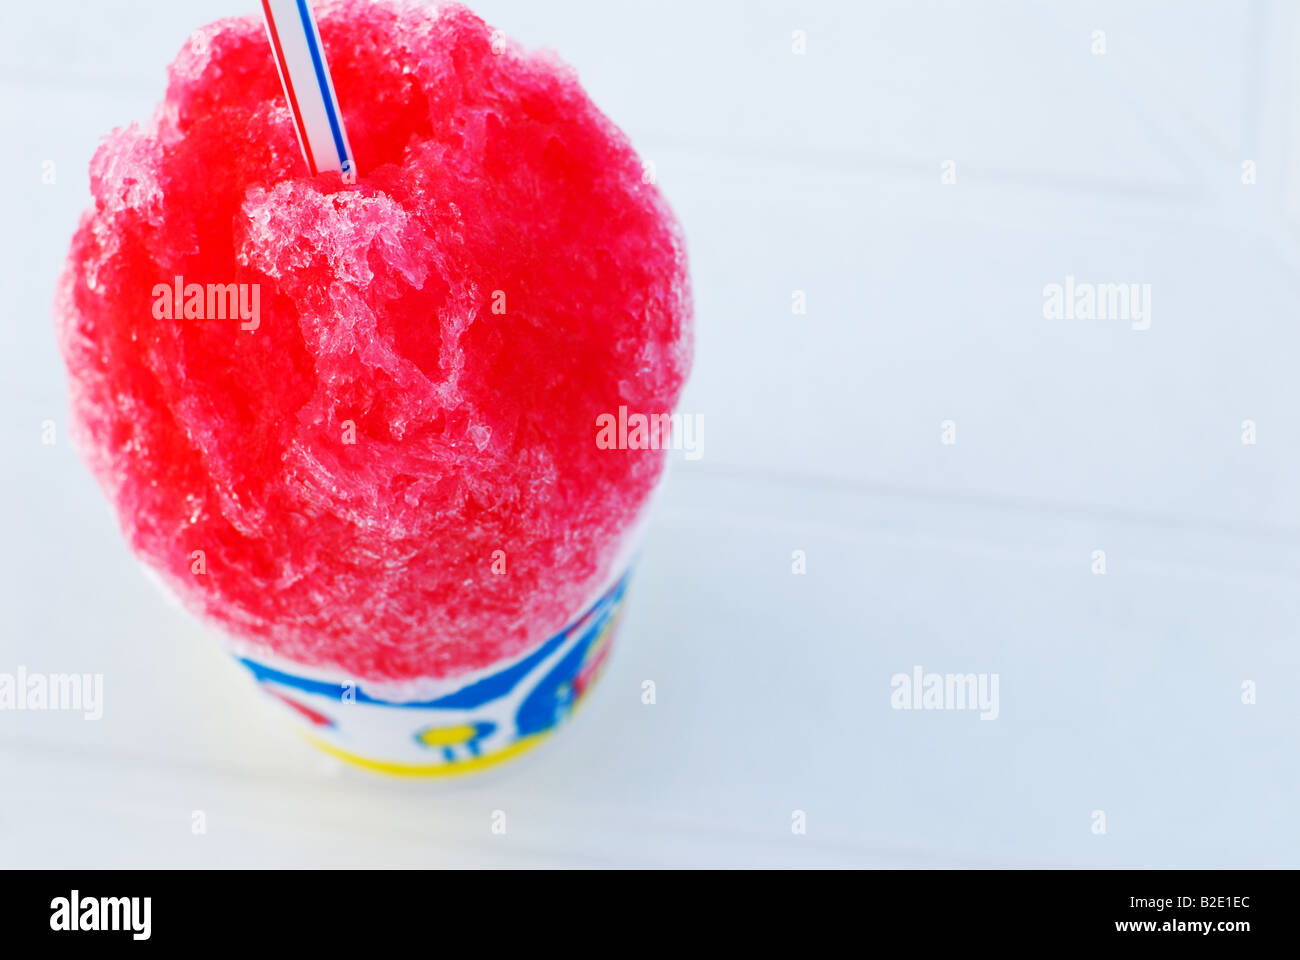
[486, 717]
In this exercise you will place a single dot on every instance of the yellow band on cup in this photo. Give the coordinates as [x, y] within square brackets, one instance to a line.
[391, 768]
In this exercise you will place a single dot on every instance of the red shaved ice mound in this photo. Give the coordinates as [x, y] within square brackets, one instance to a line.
[340, 480]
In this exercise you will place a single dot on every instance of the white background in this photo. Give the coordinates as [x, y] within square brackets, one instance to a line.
[819, 173]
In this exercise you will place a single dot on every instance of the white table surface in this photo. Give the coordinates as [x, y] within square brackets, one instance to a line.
[818, 173]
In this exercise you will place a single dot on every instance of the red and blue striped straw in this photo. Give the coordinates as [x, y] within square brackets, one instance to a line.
[300, 58]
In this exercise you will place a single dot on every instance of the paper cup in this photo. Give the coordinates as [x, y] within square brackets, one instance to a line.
[439, 728]
[483, 719]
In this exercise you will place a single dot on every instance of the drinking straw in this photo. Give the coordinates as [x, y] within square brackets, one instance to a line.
[300, 59]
